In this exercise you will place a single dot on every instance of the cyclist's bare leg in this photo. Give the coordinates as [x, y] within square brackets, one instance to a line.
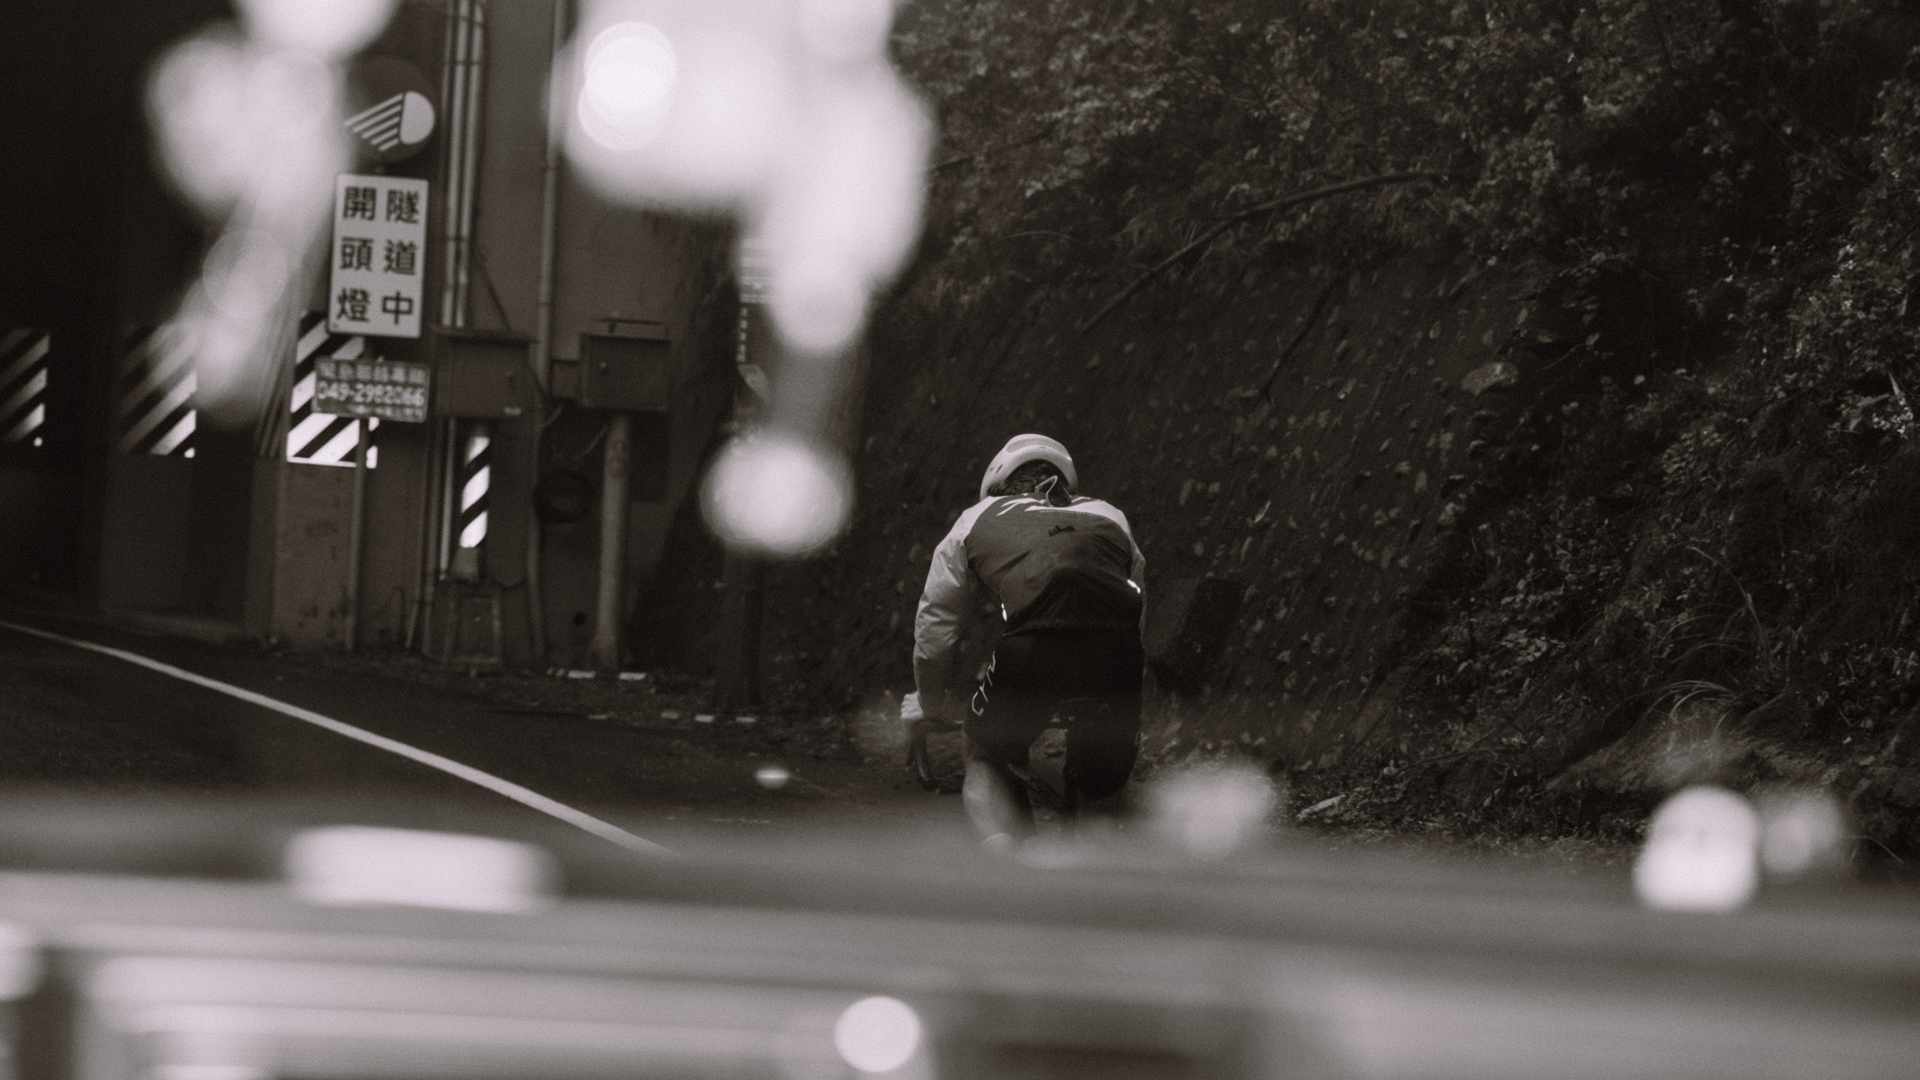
[994, 799]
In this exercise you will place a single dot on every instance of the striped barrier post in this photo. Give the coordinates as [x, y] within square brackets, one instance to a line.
[315, 438]
[23, 386]
[157, 384]
[474, 488]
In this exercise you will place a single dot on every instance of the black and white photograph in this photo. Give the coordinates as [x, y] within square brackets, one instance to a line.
[959, 540]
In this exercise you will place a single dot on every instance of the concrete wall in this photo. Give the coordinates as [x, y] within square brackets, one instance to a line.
[512, 167]
[78, 182]
[310, 555]
[144, 535]
[218, 523]
[612, 263]
[391, 548]
[26, 498]
[263, 536]
[258, 541]
[312, 510]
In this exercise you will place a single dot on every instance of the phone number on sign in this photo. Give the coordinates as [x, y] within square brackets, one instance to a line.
[359, 393]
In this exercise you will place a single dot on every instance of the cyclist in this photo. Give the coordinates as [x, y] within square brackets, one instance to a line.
[1058, 578]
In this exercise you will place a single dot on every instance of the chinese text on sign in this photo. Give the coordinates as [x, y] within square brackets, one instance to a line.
[388, 389]
[379, 237]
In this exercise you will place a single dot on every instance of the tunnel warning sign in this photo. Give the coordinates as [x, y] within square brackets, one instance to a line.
[389, 389]
[378, 257]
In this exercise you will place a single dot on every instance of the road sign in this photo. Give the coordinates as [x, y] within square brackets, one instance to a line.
[378, 256]
[389, 389]
[389, 108]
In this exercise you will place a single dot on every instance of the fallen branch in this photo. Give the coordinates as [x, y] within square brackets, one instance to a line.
[1255, 211]
[1306, 327]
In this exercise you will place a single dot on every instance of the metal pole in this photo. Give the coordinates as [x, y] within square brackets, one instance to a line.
[449, 481]
[474, 60]
[421, 613]
[356, 517]
[549, 211]
[543, 334]
[608, 612]
[453, 76]
[737, 664]
[459, 95]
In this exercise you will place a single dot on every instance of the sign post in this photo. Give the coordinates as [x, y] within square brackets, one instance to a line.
[356, 515]
[375, 288]
[363, 388]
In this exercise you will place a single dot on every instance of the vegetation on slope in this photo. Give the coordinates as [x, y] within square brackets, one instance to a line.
[1681, 545]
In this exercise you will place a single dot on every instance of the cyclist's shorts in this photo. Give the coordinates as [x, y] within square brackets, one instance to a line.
[1033, 672]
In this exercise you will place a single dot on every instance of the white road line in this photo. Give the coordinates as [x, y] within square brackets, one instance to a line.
[508, 788]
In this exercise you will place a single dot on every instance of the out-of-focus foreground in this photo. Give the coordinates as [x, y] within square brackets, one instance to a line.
[360, 952]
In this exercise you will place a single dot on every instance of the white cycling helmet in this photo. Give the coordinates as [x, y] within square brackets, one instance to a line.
[1024, 448]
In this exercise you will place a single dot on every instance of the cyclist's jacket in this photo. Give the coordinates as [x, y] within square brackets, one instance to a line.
[1034, 562]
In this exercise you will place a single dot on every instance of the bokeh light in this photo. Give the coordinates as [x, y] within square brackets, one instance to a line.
[847, 209]
[247, 127]
[628, 86]
[877, 1034]
[845, 31]
[1701, 852]
[1802, 832]
[1212, 810]
[234, 122]
[819, 304]
[702, 133]
[365, 865]
[778, 494]
[734, 114]
[197, 99]
[789, 115]
[247, 272]
[327, 28]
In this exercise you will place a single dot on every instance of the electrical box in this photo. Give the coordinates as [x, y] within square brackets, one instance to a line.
[630, 371]
[482, 374]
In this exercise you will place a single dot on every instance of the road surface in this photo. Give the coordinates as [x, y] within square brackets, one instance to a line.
[85, 723]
